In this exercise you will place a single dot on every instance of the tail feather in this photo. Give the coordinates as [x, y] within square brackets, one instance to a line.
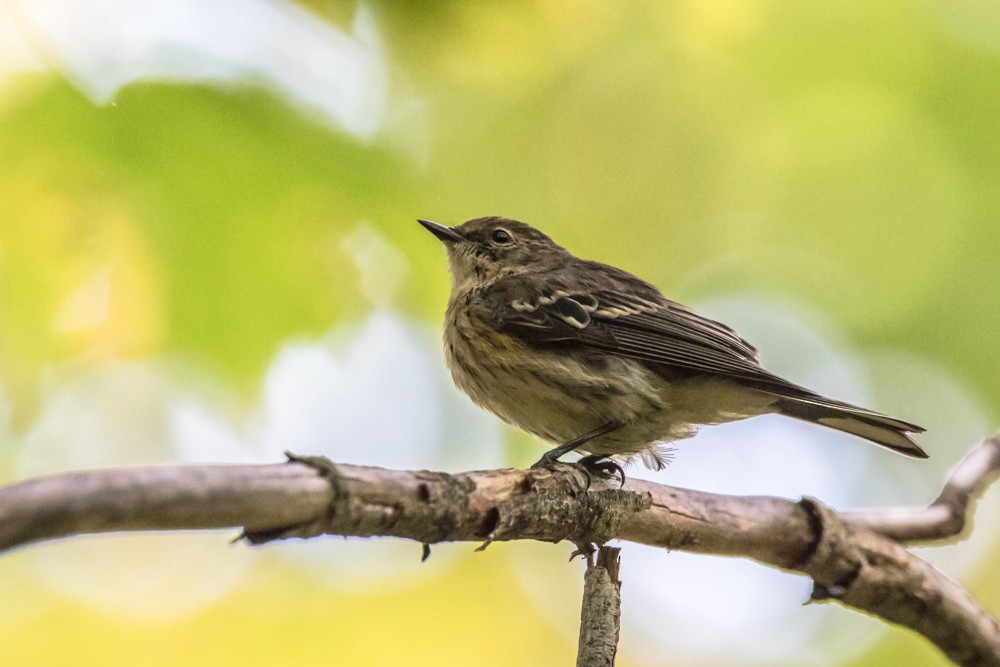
[878, 428]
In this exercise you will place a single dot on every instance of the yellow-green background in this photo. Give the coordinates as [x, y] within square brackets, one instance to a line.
[841, 154]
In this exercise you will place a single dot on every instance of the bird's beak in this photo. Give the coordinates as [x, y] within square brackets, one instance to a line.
[446, 234]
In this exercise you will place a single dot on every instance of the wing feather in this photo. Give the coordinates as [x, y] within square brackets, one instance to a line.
[647, 327]
[633, 320]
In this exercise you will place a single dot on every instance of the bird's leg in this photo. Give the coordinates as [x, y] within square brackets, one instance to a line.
[594, 465]
[552, 456]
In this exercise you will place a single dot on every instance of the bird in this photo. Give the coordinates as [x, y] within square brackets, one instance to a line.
[593, 359]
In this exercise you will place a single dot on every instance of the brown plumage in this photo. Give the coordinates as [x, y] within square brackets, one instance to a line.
[563, 347]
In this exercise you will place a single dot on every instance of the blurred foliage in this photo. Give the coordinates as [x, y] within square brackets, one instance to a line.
[839, 154]
[218, 211]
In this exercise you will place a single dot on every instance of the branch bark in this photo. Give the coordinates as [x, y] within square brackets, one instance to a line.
[856, 559]
[600, 616]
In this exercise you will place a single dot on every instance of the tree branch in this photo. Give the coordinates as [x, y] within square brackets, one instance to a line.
[600, 616]
[950, 514]
[845, 555]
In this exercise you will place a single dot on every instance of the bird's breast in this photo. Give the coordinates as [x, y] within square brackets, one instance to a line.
[554, 393]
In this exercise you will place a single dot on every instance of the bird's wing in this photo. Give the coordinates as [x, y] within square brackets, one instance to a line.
[649, 328]
[668, 336]
[644, 327]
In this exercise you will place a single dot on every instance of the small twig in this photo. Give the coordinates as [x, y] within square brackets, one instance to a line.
[600, 615]
[951, 513]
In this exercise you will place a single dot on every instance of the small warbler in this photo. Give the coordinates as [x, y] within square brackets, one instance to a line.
[592, 357]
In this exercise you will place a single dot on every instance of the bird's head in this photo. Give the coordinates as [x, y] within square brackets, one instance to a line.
[484, 249]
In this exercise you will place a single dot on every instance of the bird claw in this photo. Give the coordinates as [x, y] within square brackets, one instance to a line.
[602, 468]
[593, 467]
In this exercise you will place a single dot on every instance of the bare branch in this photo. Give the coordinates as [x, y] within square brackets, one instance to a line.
[949, 515]
[844, 555]
[160, 498]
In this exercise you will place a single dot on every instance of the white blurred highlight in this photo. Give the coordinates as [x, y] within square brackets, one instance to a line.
[16, 54]
[373, 394]
[382, 266]
[104, 45]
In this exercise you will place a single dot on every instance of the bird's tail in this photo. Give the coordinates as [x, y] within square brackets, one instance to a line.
[878, 428]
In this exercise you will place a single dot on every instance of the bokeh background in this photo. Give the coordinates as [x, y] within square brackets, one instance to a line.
[208, 252]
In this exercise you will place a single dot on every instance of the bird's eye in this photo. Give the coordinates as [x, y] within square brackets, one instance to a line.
[501, 237]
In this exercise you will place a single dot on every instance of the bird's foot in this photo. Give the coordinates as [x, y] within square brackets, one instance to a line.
[601, 467]
[551, 457]
[549, 462]
[593, 466]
